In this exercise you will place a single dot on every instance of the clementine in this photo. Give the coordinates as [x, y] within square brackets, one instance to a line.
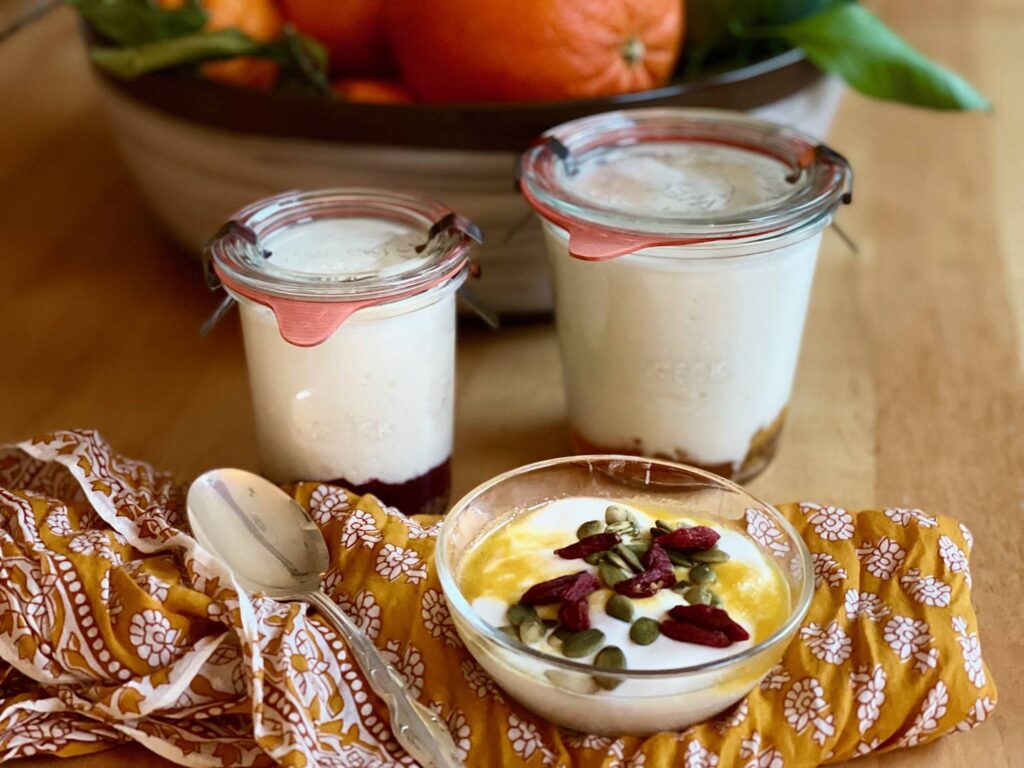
[372, 91]
[260, 20]
[352, 30]
[527, 50]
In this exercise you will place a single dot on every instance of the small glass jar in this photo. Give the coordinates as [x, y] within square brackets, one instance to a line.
[683, 245]
[347, 301]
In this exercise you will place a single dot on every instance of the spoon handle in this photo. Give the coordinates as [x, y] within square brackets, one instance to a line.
[417, 728]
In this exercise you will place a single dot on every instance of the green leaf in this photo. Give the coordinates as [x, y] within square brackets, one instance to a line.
[133, 22]
[132, 61]
[303, 62]
[852, 42]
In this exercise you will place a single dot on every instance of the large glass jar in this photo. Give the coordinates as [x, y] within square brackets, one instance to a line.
[683, 246]
[347, 302]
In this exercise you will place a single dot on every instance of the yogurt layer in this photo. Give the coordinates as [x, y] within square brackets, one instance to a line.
[347, 247]
[672, 178]
[666, 354]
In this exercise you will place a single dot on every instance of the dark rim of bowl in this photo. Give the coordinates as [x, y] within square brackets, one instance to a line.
[479, 126]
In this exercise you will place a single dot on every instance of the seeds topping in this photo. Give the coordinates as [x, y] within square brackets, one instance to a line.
[633, 564]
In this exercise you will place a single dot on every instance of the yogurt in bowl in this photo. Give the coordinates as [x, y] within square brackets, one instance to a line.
[618, 595]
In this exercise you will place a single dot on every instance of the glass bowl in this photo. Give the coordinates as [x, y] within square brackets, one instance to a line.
[645, 700]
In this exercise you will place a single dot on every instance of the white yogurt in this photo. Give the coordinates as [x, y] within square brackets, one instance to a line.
[680, 179]
[683, 352]
[636, 705]
[674, 357]
[374, 401]
[355, 247]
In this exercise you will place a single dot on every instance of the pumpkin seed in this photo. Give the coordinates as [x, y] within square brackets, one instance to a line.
[589, 528]
[619, 607]
[612, 658]
[509, 630]
[716, 601]
[678, 558]
[665, 526]
[518, 613]
[616, 514]
[681, 586]
[702, 574]
[593, 558]
[611, 574]
[532, 631]
[644, 631]
[625, 529]
[631, 558]
[618, 560]
[577, 682]
[714, 555]
[698, 595]
[562, 634]
[639, 548]
[583, 643]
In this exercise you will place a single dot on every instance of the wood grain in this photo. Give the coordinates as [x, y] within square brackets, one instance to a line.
[911, 384]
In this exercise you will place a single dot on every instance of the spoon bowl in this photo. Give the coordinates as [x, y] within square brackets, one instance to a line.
[269, 542]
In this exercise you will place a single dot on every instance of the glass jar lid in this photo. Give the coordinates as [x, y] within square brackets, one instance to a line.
[622, 181]
[316, 257]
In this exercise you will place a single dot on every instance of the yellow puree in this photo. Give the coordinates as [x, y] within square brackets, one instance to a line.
[512, 558]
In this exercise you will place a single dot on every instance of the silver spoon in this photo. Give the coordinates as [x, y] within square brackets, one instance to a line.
[273, 546]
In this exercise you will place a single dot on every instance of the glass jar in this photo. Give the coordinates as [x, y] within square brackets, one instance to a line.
[683, 245]
[347, 301]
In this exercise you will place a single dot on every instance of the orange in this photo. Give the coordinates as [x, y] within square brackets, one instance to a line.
[372, 91]
[352, 30]
[533, 50]
[260, 20]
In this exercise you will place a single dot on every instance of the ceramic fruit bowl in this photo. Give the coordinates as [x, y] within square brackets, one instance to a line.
[201, 150]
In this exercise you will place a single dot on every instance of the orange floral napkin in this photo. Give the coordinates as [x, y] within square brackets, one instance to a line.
[116, 626]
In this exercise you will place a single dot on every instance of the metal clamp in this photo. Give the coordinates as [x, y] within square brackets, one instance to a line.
[451, 220]
[228, 229]
[818, 153]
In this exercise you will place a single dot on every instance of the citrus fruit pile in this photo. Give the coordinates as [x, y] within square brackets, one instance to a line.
[465, 50]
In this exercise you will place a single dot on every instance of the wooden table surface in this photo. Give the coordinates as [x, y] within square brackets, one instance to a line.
[910, 389]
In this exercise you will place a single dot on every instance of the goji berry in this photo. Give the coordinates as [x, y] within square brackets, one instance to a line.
[708, 617]
[585, 583]
[575, 615]
[690, 633]
[656, 559]
[646, 584]
[572, 586]
[694, 539]
[551, 591]
[598, 542]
